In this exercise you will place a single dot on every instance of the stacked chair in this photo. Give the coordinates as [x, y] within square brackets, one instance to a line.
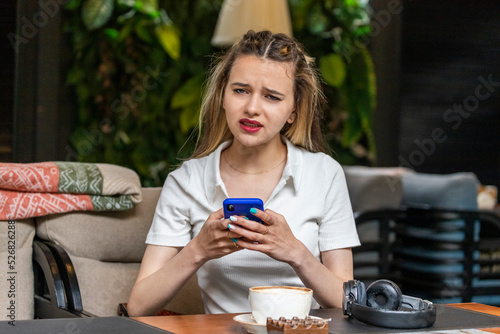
[437, 245]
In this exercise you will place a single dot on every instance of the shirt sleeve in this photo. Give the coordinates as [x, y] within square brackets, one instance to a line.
[337, 228]
[171, 222]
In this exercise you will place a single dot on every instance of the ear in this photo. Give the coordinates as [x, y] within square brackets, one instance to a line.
[223, 98]
[292, 117]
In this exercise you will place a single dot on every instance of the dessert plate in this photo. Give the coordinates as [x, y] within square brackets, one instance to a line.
[251, 326]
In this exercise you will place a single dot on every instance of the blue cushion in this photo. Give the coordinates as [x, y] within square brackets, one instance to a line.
[457, 191]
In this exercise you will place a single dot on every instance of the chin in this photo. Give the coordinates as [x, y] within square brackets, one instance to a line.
[252, 142]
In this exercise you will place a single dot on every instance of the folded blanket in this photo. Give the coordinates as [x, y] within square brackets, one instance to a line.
[38, 189]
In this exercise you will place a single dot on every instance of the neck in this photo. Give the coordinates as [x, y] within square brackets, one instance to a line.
[255, 160]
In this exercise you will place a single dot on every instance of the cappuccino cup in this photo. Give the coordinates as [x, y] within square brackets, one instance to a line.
[279, 301]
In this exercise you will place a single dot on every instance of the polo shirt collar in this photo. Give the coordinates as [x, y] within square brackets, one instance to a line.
[293, 168]
[213, 180]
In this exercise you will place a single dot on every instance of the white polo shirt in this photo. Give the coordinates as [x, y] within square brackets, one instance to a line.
[311, 195]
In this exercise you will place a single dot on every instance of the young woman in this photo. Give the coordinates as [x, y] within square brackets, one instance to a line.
[260, 137]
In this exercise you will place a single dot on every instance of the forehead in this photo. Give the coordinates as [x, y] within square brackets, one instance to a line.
[253, 68]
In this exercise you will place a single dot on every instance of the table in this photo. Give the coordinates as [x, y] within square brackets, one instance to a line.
[199, 324]
[224, 323]
[484, 309]
[451, 318]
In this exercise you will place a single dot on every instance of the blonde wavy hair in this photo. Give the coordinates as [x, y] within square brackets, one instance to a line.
[305, 131]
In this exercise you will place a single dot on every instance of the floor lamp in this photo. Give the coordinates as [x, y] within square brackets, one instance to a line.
[238, 16]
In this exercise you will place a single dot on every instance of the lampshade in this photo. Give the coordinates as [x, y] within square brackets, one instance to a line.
[238, 16]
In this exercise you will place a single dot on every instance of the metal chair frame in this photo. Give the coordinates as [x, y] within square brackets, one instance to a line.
[57, 293]
[396, 237]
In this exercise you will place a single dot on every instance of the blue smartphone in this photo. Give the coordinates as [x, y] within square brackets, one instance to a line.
[241, 207]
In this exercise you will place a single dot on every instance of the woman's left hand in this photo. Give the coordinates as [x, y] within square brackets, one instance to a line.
[272, 237]
[275, 238]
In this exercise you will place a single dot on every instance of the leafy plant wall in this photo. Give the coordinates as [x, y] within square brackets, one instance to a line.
[139, 67]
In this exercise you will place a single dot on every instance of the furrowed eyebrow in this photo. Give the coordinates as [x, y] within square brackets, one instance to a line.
[275, 92]
[240, 84]
[272, 91]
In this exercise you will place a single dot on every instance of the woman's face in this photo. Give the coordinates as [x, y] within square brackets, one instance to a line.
[258, 100]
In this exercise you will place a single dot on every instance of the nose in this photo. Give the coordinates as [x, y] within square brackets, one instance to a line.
[253, 106]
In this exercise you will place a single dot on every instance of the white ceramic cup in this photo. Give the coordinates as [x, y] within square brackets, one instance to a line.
[279, 301]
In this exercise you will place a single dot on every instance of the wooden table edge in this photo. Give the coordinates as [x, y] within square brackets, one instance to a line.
[181, 323]
[483, 308]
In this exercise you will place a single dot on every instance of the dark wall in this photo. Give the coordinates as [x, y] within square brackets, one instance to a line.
[43, 108]
[7, 64]
[450, 87]
[385, 48]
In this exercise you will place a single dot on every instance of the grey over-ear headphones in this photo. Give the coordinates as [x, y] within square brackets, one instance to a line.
[383, 305]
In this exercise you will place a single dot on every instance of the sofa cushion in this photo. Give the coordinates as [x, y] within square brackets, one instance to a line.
[105, 236]
[456, 191]
[104, 285]
[374, 188]
[16, 275]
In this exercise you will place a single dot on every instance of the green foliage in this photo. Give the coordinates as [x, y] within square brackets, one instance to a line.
[128, 64]
[335, 33]
[333, 68]
[137, 74]
[169, 40]
[188, 99]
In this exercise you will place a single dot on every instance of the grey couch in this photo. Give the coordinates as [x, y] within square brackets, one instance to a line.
[103, 251]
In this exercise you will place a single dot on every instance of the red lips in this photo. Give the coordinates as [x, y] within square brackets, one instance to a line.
[249, 125]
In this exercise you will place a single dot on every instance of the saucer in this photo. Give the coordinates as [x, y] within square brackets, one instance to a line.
[251, 326]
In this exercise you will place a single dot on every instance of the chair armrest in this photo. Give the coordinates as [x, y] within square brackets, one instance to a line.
[57, 294]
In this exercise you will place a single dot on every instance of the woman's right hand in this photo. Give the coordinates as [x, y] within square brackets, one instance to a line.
[214, 239]
[165, 269]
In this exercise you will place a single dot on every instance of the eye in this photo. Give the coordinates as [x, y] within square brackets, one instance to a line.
[239, 91]
[273, 98]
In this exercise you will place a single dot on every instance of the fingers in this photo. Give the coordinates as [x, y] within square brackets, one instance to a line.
[220, 223]
[247, 229]
[266, 231]
[269, 217]
[233, 237]
[217, 215]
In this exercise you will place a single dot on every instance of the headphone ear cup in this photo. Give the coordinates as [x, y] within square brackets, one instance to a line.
[361, 299]
[384, 294]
